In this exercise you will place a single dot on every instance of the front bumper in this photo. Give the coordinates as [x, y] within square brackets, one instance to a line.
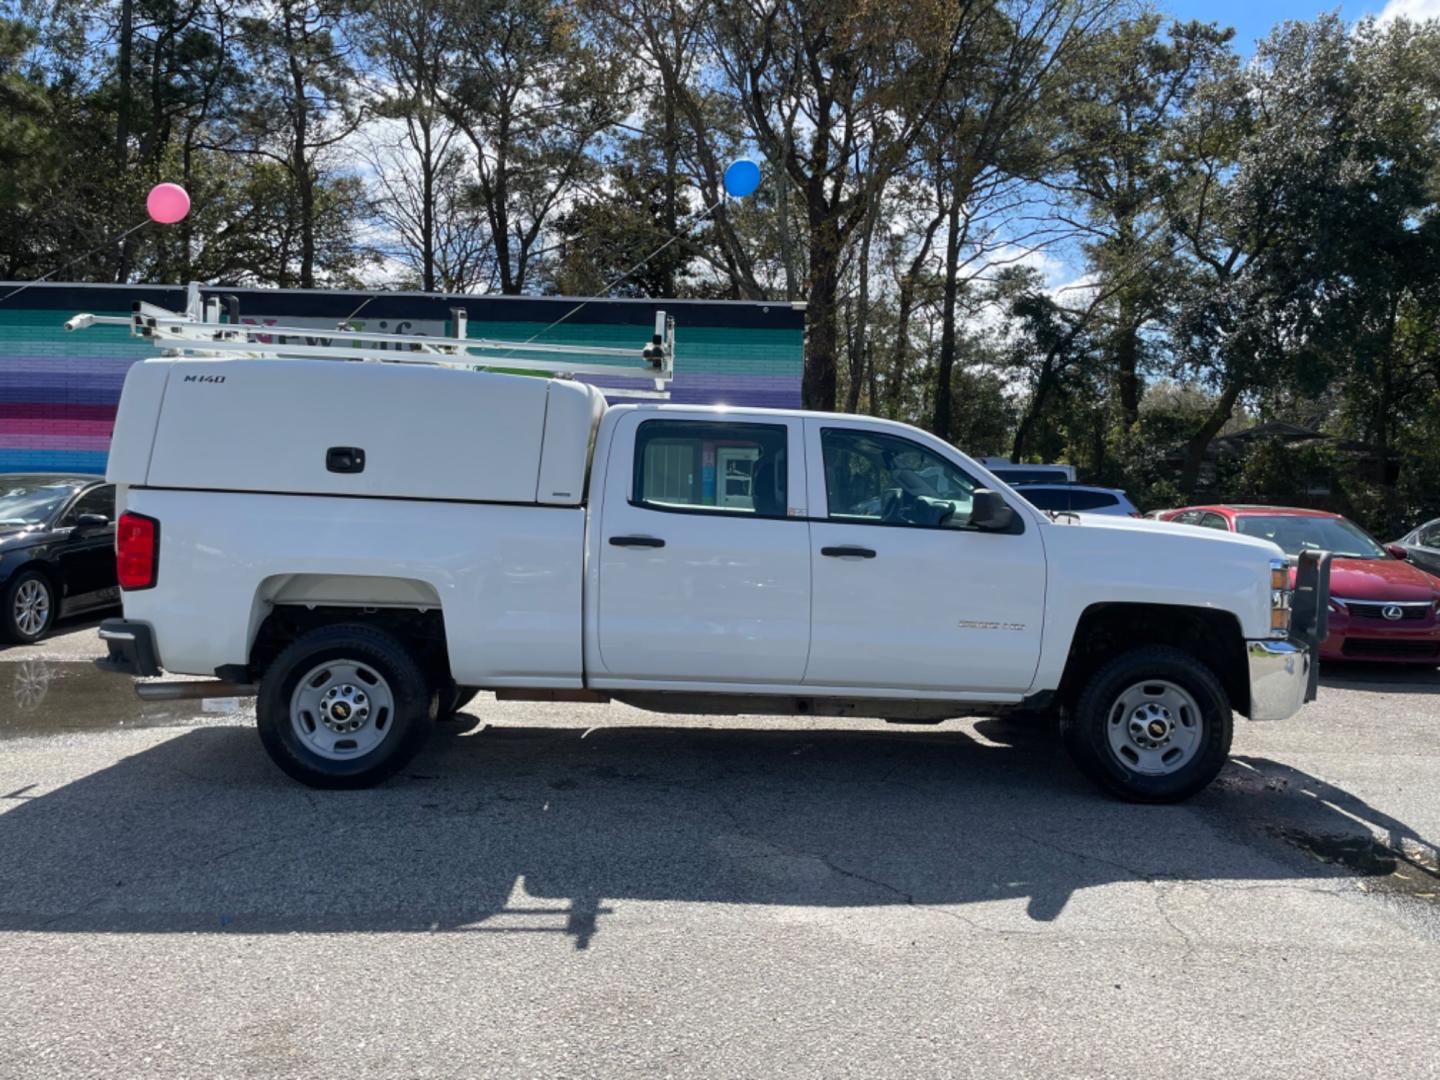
[132, 647]
[1285, 673]
[1280, 679]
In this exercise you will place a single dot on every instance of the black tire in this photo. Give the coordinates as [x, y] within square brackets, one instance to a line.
[1086, 729]
[10, 628]
[408, 726]
[454, 698]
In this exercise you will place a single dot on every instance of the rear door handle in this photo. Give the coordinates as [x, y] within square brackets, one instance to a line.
[637, 541]
[847, 552]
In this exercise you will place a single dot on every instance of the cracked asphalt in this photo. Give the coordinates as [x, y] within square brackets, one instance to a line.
[589, 890]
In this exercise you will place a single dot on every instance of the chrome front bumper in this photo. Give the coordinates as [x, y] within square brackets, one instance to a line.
[1279, 678]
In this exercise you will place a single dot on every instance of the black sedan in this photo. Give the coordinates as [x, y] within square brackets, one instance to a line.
[57, 551]
[1422, 546]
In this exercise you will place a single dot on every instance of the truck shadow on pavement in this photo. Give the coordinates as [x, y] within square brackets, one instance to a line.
[536, 829]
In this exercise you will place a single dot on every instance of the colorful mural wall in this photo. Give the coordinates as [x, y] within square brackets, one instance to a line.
[59, 390]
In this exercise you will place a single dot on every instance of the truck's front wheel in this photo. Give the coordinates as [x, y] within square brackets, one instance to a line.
[1153, 725]
[344, 706]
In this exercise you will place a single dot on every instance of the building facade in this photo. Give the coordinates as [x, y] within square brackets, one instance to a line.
[59, 390]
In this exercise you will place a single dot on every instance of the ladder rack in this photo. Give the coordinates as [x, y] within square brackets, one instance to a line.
[199, 332]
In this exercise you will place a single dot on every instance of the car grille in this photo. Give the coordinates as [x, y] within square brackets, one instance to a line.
[1418, 650]
[1373, 609]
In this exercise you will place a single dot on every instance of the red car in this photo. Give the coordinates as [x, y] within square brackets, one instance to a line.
[1381, 606]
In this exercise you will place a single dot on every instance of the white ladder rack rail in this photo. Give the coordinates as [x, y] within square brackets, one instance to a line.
[202, 334]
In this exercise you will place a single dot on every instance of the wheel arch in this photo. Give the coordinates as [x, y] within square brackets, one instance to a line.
[288, 605]
[1211, 635]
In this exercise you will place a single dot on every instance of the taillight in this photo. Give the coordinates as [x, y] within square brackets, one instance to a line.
[137, 551]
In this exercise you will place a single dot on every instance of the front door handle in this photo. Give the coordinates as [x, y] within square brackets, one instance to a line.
[847, 552]
[637, 541]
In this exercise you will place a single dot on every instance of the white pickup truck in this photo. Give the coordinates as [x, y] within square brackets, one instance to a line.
[365, 545]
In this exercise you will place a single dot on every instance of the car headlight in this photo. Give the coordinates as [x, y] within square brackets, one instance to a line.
[1281, 595]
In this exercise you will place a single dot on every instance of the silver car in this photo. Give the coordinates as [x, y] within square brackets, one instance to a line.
[1078, 498]
[1422, 546]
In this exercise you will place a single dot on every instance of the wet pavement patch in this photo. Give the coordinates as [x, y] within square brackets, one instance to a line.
[1409, 870]
[53, 697]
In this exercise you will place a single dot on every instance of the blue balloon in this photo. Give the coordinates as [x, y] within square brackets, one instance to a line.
[742, 178]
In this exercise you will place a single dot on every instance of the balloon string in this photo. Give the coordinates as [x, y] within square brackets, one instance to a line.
[681, 229]
[78, 258]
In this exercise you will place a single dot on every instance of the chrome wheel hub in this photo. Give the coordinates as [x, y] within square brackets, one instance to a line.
[342, 709]
[1155, 727]
[32, 607]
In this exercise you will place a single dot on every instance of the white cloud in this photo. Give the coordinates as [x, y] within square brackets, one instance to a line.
[1414, 10]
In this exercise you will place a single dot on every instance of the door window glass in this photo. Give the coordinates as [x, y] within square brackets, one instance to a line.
[1430, 536]
[1091, 500]
[1190, 517]
[719, 467]
[1214, 521]
[100, 500]
[887, 480]
[1044, 498]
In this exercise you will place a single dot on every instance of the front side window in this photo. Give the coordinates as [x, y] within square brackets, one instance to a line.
[884, 479]
[716, 467]
[1430, 535]
[100, 500]
[1214, 521]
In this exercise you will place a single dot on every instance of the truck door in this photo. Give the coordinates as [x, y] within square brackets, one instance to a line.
[906, 593]
[703, 551]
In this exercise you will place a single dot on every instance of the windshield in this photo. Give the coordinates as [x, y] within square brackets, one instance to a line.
[1295, 534]
[28, 500]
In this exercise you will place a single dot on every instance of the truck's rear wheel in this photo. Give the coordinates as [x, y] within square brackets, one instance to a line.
[344, 706]
[1153, 725]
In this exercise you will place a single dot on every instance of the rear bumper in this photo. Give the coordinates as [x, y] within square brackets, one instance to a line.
[1279, 678]
[132, 646]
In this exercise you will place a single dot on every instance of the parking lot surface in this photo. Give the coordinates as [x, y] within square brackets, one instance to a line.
[586, 890]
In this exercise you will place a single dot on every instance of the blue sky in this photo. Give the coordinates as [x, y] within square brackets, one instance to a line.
[1253, 18]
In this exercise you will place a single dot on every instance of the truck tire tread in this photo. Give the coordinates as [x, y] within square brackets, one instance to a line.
[1083, 728]
[413, 697]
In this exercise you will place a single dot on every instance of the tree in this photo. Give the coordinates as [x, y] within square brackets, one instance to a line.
[419, 169]
[1259, 163]
[300, 106]
[534, 95]
[837, 97]
[1116, 110]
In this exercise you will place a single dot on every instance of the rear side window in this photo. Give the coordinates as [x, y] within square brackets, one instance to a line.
[1091, 500]
[711, 467]
[1047, 498]
[1013, 476]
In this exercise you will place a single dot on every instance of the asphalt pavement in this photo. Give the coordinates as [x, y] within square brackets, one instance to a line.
[576, 890]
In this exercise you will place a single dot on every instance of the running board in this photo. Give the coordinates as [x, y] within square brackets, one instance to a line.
[192, 690]
[591, 696]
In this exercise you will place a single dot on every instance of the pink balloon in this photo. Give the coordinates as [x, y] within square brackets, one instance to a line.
[167, 203]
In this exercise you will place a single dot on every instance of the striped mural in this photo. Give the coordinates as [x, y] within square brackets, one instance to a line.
[59, 390]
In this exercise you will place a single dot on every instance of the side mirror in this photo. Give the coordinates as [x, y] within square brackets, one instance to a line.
[91, 522]
[1397, 552]
[990, 512]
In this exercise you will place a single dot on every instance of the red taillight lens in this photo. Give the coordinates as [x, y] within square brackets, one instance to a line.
[137, 551]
